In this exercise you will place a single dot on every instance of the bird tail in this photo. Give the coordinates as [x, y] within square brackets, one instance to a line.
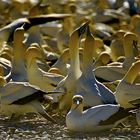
[135, 103]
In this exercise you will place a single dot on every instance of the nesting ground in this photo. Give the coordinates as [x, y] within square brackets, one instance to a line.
[34, 127]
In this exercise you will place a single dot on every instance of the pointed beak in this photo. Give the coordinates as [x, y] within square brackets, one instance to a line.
[78, 102]
[82, 28]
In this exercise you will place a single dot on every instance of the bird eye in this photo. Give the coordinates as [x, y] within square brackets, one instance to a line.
[75, 101]
[80, 100]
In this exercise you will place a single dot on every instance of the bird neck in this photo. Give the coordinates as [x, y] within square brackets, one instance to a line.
[87, 62]
[74, 57]
[32, 63]
[132, 74]
[128, 48]
[63, 59]
[77, 110]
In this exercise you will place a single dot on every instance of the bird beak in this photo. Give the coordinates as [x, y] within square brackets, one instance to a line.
[82, 28]
[77, 104]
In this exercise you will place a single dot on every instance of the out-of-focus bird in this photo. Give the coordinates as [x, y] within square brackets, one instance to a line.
[63, 34]
[18, 70]
[7, 32]
[20, 97]
[36, 76]
[113, 72]
[128, 89]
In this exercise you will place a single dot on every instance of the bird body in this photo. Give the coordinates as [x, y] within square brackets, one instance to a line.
[127, 89]
[21, 98]
[97, 118]
[112, 73]
[68, 84]
[18, 70]
[44, 80]
[94, 92]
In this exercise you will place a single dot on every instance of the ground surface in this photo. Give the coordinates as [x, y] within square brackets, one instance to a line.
[35, 127]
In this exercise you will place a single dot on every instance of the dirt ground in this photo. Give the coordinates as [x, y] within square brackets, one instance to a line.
[34, 127]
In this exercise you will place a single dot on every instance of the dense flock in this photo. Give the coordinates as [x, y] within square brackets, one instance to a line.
[70, 67]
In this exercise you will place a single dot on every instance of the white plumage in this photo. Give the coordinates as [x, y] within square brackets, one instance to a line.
[93, 91]
[97, 118]
[21, 97]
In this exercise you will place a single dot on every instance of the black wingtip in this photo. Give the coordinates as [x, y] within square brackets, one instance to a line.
[135, 102]
[117, 117]
[41, 19]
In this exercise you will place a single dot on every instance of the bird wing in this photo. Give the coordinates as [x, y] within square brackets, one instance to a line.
[101, 112]
[107, 95]
[13, 91]
[53, 78]
[116, 116]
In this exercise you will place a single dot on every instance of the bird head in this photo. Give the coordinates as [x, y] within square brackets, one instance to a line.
[77, 102]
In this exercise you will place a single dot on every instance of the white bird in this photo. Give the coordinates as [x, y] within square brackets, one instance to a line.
[20, 97]
[97, 118]
[62, 64]
[18, 70]
[112, 72]
[36, 76]
[93, 91]
[63, 34]
[128, 89]
[68, 84]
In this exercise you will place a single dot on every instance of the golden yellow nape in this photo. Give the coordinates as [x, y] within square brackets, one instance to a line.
[18, 46]
[63, 34]
[132, 72]
[116, 45]
[6, 52]
[134, 24]
[102, 60]
[2, 81]
[42, 79]
[33, 51]
[130, 48]
[127, 89]
[116, 71]
[61, 63]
